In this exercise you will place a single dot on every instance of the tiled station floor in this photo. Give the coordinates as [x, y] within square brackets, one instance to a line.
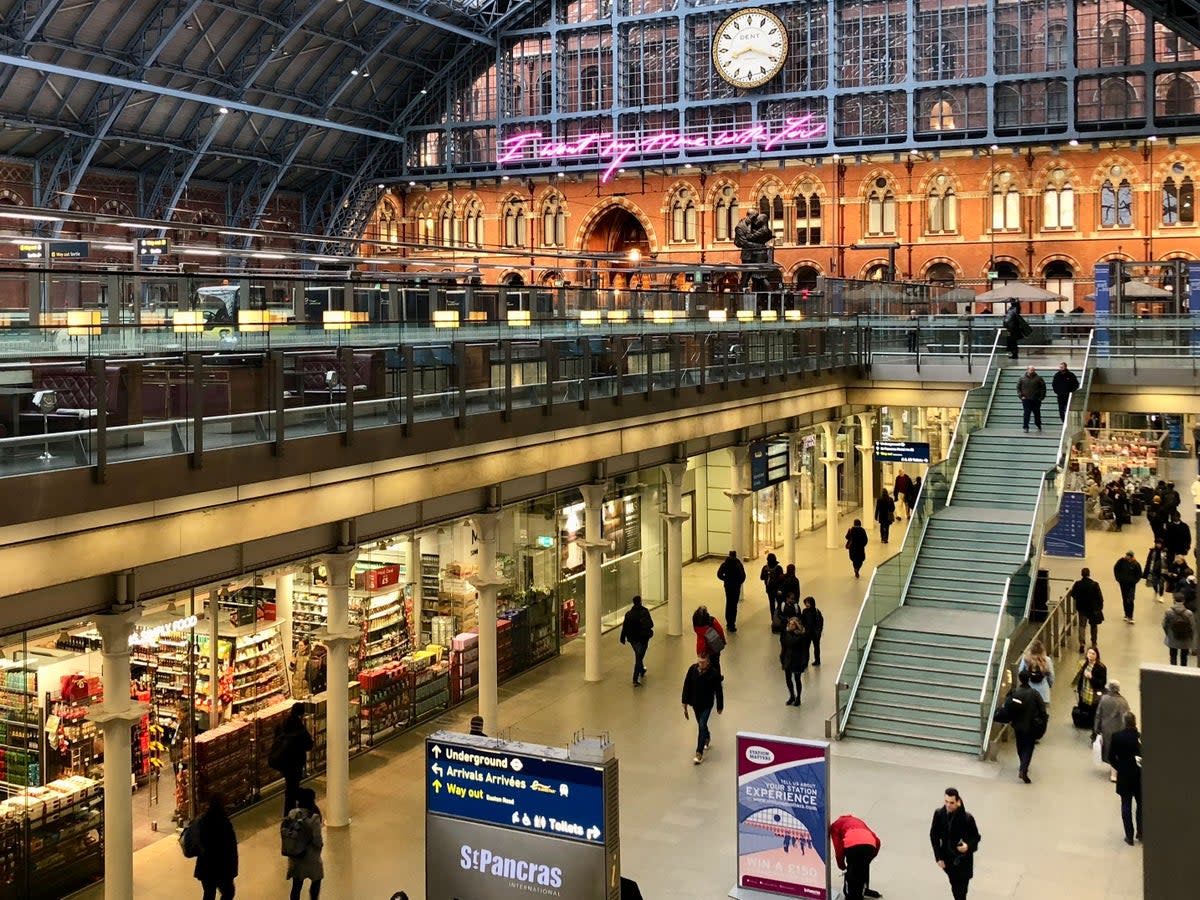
[1057, 838]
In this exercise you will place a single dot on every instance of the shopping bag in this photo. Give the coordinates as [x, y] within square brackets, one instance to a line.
[1098, 750]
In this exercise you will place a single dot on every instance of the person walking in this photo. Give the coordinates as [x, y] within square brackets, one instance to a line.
[1089, 684]
[912, 495]
[1124, 753]
[885, 514]
[732, 575]
[1040, 667]
[289, 752]
[305, 819]
[710, 637]
[217, 863]
[1177, 536]
[814, 624]
[702, 691]
[900, 488]
[1016, 329]
[637, 629]
[1089, 605]
[855, 847]
[1154, 569]
[1027, 714]
[856, 546]
[788, 586]
[1128, 572]
[1032, 391]
[1119, 503]
[955, 839]
[1110, 718]
[1064, 384]
[1179, 631]
[1177, 573]
[769, 575]
[793, 658]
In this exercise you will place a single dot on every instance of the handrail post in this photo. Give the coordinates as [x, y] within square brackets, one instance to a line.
[507, 355]
[98, 364]
[346, 360]
[648, 356]
[550, 355]
[196, 394]
[460, 376]
[410, 377]
[275, 368]
[586, 400]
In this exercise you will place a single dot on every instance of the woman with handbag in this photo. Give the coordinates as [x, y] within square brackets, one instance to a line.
[1089, 683]
[1125, 754]
[856, 546]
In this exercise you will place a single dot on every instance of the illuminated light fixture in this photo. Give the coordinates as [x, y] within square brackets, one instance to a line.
[253, 320]
[341, 319]
[662, 316]
[125, 247]
[268, 255]
[590, 316]
[233, 233]
[188, 321]
[32, 217]
[223, 110]
[21, 242]
[323, 259]
[445, 318]
[769, 315]
[412, 184]
[354, 71]
[520, 318]
[200, 251]
[618, 315]
[132, 225]
[718, 315]
[745, 315]
[480, 315]
[793, 315]
[1073, 142]
[83, 322]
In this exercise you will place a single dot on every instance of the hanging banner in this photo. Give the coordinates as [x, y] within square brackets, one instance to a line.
[782, 817]
[1067, 537]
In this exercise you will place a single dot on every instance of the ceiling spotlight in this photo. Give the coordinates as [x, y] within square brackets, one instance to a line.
[223, 110]
[412, 184]
[354, 71]
[423, 91]
[366, 74]
[1073, 142]
[382, 186]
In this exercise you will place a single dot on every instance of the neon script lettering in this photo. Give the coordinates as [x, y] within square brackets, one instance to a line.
[614, 150]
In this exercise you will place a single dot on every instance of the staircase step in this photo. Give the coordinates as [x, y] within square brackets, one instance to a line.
[965, 716]
[901, 660]
[927, 601]
[976, 588]
[895, 736]
[881, 678]
[965, 728]
[952, 560]
[900, 699]
[918, 645]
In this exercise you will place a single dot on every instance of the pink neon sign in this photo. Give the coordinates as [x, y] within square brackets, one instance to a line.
[614, 150]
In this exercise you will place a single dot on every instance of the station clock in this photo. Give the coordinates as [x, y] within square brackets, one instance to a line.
[750, 48]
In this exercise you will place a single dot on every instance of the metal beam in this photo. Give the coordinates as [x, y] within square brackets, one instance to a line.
[432, 22]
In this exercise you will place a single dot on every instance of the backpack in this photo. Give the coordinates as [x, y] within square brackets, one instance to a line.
[281, 745]
[1036, 676]
[1181, 628]
[294, 836]
[713, 641]
[189, 840]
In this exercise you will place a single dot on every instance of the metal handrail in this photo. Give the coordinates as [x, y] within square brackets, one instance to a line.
[985, 741]
[996, 634]
[917, 552]
[1085, 390]
[958, 468]
[858, 677]
[854, 631]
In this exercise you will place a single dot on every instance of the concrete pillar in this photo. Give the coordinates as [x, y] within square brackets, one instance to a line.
[487, 583]
[283, 611]
[115, 716]
[417, 587]
[833, 538]
[787, 496]
[738, 494]
[337, 637]
[867, 451]
[674, 516]
[593, 603]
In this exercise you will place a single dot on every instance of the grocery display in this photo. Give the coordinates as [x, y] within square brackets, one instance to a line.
[51, 839]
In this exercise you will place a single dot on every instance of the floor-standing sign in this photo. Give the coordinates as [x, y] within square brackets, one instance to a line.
[505, 819]
[1069, 535]
[782, 817]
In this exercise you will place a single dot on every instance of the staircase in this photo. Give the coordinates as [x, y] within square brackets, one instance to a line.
[928, 669]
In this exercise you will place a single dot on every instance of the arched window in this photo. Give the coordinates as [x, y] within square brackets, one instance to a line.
[941, 273]
[881, 208]
[1117, 99]
[589, 87]
[1056, 45]
[1006, 203]
[389, 233]
[1060, 279]
[425, 227]
[473, 224]
[1177, 96]
[447, 224]
[725, 214]
[941, 116]
[1114, 43]
[806, 278]
[1178, 198]
[942, 211]
[683, 217]
[1056, 103]
[1005, 270]
[1116, 202]
[554, 222]
[1007, 49]
[1058, 202]
[546, 92]
[876, 272]
[515, 223]
[770, 205]
[1008, 106]
[808, 215]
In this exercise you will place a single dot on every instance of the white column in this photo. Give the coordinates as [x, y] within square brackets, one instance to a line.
[214, 659]
[283, 611]
[787, 495]
[866, 449]
[337, 637]
[674, 516]
[417, 587]
[593, 604]
[115, 716]
[738, 494]
[487, 525]
[833, 537]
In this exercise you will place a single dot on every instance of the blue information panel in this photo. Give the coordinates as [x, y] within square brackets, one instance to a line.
[556, 798]
[1066, 538]
[769, 463]
[901, 451]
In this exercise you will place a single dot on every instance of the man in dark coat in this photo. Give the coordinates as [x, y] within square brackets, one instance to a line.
[637, 629]
[732, 574]
[217, 865]
[1031, 388]
[1124, 750]
[289, 752]
[955, 839]
[1065, 383]
[770, 576]
[1177, 537]
[1089, 604]
[701, 691]
[789, 586]
[1128, 572]
[1027, 714]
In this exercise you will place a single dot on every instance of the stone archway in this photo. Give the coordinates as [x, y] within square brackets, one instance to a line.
[619, 232]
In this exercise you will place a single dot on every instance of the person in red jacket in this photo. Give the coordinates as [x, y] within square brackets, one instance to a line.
[854, 846]
[707, 644]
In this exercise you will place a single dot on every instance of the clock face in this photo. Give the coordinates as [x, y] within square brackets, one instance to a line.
[750, 48]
